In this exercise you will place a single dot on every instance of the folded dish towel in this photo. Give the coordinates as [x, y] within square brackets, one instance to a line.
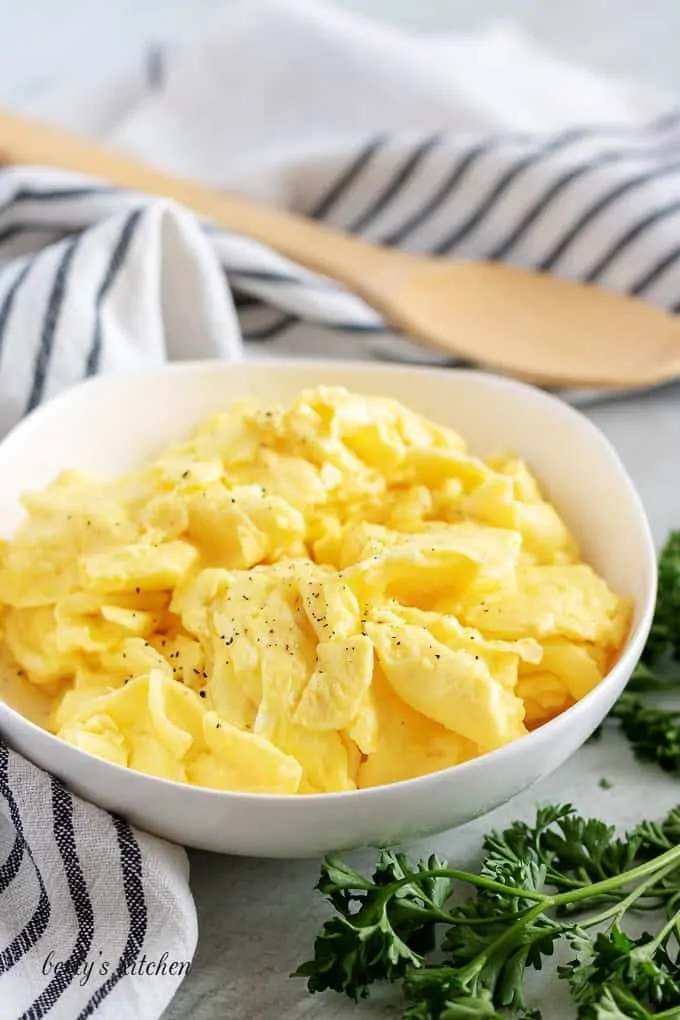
[477, 146]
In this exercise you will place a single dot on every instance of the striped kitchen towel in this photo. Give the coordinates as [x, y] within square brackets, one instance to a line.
[95, 918]
[469, 147]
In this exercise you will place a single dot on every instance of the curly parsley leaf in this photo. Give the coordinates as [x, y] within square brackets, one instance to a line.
[654, 733]
[664, 637]
[563, 879]
[382, 925]
[615, 970]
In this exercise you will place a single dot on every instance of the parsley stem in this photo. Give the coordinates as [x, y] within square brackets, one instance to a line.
[653, 866]
[670, 857]
[620, 908]
[508, 936]
[668, 1014]
[471, 922]
[470, 879]
[659, 939]
[437, 914]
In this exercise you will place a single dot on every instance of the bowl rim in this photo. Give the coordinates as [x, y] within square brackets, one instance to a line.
[632, 648]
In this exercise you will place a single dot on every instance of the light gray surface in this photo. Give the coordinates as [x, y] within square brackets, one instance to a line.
[257, 919]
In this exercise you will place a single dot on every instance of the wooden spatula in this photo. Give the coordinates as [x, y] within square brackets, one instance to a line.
[537, 327]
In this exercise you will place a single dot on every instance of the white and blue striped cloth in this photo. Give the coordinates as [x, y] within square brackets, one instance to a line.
[92, 913]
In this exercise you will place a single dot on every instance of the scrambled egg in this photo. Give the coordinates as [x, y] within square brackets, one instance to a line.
[304, 600]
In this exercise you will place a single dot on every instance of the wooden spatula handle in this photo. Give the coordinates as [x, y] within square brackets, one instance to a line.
[345, 258]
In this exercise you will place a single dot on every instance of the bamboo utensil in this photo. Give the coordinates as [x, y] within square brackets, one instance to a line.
[534, 326]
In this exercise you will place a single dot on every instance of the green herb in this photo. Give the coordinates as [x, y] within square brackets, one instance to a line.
[664, 638]
[654, 731]
[564, 879]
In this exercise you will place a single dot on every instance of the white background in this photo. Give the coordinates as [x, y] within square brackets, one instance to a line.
[62, 41]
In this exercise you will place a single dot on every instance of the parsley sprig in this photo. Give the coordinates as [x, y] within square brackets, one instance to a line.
[653, 729]
[564, 878]
[664, 638]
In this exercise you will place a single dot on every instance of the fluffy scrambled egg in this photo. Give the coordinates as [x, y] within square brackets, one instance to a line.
[303, 600]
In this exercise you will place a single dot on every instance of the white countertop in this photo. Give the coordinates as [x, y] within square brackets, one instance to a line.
[258, 919]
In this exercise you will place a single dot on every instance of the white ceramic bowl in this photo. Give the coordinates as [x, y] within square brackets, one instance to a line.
[110, 424]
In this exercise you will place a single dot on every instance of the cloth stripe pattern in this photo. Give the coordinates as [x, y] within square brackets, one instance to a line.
[71, 970]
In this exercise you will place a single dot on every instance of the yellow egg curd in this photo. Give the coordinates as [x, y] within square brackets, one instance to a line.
[307, 599]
